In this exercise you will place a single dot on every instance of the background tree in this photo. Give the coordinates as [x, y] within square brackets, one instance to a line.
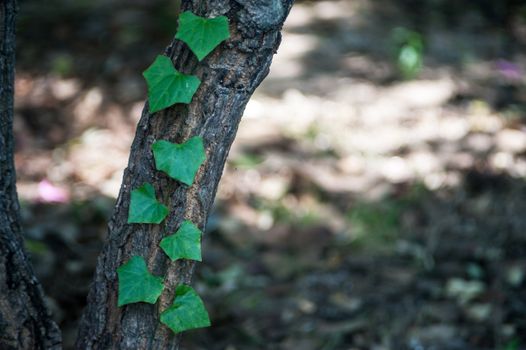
[229, 77]
[25, 322]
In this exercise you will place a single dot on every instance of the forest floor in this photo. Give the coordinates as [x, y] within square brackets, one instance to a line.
[358, 210]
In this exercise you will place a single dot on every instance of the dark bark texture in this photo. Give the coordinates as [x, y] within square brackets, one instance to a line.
[25, 322]
[229, 76]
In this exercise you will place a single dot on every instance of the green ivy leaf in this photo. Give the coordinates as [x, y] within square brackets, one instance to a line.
[144, 207]
[184, 244]
[201, 34]
[137, 284]
[180, 161]
[186, 312]
[166, 86]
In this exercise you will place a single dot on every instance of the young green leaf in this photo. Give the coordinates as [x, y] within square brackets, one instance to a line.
[184, 244]
[201, 34]
[180, 161]
[137, 284]
[186, 312]
[144, 207]
[166, 86]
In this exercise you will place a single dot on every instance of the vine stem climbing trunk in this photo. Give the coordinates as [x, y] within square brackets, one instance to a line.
[25, 322]
[229, 76]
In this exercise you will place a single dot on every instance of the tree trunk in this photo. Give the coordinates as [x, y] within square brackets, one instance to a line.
[25, 322]
[229, 76]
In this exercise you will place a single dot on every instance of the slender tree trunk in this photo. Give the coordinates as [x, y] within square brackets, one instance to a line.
[25, 322]
[229, 76]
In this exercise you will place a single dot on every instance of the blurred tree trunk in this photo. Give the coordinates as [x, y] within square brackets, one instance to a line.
[25, 322]
[229, 76]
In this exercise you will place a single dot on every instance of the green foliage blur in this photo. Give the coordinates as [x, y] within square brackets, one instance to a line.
[409, 54]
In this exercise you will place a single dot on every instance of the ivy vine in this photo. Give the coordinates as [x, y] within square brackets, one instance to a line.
[166, 86]
[181, 162]
[144, 207]
[184, 244]
[202, 35]
[137, 284]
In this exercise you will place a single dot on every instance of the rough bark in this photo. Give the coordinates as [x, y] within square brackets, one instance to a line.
[25, 322]
[229, 76]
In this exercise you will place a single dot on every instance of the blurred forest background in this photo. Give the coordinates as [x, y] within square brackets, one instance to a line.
[375, 197]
